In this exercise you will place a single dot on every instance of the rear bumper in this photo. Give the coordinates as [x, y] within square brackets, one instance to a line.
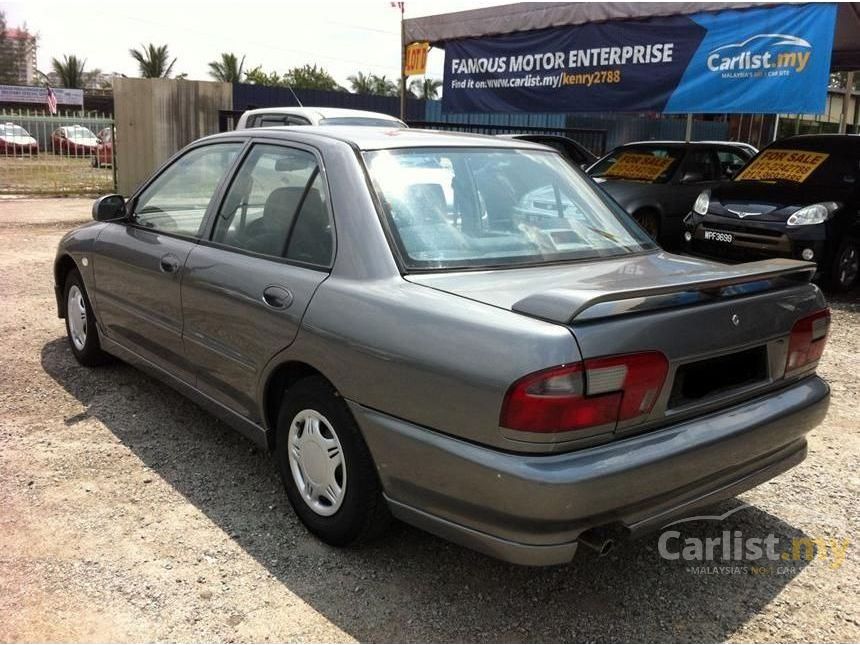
[530, 509]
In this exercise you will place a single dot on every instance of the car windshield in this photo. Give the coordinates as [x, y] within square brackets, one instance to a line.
[819, 167]
[12, 130]
[79, 132]
[451, 208]
[362, 120]
[653, 164]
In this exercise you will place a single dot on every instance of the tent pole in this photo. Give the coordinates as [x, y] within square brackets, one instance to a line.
[688, 135]
[402, 64]
[846, 100]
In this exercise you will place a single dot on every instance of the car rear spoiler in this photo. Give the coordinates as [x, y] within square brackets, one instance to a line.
[580, 305]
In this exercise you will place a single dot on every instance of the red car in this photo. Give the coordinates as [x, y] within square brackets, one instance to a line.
[104, 151]
[75, 140]
[15, 140]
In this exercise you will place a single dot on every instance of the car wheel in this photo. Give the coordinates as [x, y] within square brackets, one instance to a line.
[81, 327]
[846, 266]
[650, 221]
[326, 468]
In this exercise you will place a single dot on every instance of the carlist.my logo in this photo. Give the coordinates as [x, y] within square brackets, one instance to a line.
[768, 53]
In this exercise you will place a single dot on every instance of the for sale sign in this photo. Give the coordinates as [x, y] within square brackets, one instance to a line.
[789, 165]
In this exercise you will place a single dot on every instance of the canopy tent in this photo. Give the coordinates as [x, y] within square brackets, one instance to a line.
[530, 16]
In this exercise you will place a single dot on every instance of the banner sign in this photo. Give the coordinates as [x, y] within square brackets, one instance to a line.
[764, 60]
[791, 165]
[24, 94]
[416, 59]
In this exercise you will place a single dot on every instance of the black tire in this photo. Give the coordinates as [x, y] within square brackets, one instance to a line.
[650, 221]
[845, 268]
[90, 354]
[363, 513]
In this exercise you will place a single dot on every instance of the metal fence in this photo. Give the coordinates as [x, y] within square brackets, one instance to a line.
[593, 139]
[59, 154]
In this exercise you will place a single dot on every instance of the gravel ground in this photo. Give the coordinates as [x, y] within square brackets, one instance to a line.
[129, 514]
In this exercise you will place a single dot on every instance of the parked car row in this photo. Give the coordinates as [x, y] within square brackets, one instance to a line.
[69, 140]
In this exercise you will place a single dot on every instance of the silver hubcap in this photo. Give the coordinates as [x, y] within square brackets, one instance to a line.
[76, 314]
[316, 462]
[849, 263]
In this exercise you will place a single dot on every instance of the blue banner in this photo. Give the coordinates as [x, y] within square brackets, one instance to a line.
[765, 60]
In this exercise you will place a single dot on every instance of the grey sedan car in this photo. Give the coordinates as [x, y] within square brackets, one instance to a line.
[461, 332]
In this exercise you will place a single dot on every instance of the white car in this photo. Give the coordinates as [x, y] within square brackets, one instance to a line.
[274, 116]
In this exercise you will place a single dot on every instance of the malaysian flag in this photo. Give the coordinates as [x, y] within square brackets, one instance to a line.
[398, 5]
[52, 100]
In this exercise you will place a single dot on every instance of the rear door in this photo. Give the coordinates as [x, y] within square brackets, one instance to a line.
[271, 244]
[139, 263]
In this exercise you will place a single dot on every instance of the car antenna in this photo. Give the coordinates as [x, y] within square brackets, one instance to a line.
[294, 96]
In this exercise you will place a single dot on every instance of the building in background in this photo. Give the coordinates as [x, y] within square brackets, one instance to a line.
[18, 57]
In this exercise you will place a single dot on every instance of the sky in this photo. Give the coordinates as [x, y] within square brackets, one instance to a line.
[343, 37]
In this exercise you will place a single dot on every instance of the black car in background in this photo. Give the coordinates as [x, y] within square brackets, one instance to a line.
[658, 181]
[798, 198]
[573, 150]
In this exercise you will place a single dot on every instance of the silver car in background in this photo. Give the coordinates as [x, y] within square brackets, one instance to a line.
[463, 332]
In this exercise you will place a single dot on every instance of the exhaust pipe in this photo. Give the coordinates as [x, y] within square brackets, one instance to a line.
[598, 539]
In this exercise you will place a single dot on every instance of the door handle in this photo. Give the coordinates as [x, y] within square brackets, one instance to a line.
[277, 297]
[169, 263]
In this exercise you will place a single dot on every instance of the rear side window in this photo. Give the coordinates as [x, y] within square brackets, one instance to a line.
[275, 119]
[277, 206]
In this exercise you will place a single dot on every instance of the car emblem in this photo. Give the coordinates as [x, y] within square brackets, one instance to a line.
[736, 320]
[741, 214]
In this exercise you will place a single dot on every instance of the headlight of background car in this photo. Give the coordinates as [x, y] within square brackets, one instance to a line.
[702, 203]
[813, 214]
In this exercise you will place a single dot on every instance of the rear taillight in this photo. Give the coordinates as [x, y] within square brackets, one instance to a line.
[592, 393]
[807, 340]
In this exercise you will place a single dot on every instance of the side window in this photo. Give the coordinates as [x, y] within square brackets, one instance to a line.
[730, 162]
[269, 120]
[702, 165]
[177, 200]
[277, 191]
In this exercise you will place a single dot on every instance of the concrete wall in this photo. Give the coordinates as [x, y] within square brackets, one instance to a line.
[155, 117]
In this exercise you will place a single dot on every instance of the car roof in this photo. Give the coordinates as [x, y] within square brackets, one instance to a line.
[321, 112]
[373, 138]
[738, 144]
[836, 142]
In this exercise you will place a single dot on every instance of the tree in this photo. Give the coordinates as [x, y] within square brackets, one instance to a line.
[425, 89]
[361, 83]
[383, 86]
[152, 61]
[228, 69]
[257, 76]
[310, 77]
[70, 71]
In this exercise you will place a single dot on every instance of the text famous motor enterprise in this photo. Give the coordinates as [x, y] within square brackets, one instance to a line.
[626, 55]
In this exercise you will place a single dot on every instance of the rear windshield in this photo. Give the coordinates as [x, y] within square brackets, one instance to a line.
[362, 120]
[819, 167]
[653, 164]
[451, 208]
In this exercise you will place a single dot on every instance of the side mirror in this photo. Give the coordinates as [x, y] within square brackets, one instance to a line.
[691, 177]
[109, 207]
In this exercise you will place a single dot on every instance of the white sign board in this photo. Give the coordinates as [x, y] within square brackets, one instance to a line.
[21, 94]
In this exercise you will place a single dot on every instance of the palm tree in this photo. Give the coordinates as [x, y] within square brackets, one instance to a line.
[152, 61]
[70, 71]
[426, 89]
[228, 70]
[361, 83]
[384, 87]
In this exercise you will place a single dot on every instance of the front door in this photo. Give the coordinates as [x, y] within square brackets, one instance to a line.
[246, 288]
[139, 263]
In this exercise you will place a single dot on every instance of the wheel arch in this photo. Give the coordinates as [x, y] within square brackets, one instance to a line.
[63, 265]
[279, 381]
